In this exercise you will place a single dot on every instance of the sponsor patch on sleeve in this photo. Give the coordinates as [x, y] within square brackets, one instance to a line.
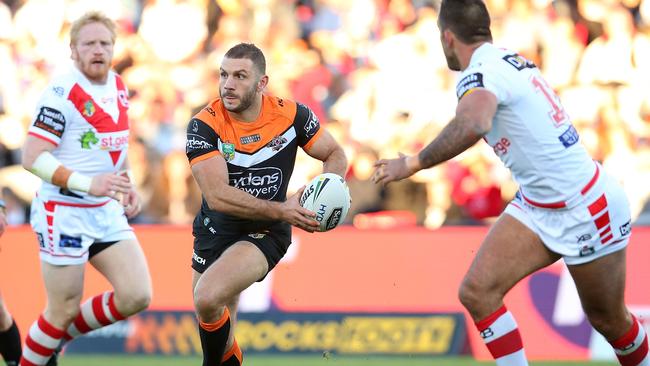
[201, 139]
[50, 120]
[469, 82]
[569, 137]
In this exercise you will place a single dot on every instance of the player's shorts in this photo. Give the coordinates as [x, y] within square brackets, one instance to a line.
[594, 223]
[209, 245]
[66, 231]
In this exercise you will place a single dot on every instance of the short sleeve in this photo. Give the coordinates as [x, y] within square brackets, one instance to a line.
[51, 115]
[485, 78]
[202, 141]
[307, 126]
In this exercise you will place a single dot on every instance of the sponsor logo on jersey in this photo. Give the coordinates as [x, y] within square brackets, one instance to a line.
[468, 83]
[58, 90]
[518, 62]
[89, 108]
[197, 142]
[66, 241]
[263, 183]
[249, 139]
[276, 143]
[311, 127]
[257, 235]
[195, 126]
[123, 98]
[626, 228]
[88, 139]
[569, 137]
[50, 120]
[584, 237]
[228, 151]
[114, 141]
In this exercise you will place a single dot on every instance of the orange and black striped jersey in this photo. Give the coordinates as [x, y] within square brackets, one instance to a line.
[260, 155]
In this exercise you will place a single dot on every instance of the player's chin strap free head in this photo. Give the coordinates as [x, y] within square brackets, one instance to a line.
[48, 168]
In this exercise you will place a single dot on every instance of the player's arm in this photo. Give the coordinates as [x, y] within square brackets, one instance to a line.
[473, 120]
[211, 174]
[328, 150]
[38, 159]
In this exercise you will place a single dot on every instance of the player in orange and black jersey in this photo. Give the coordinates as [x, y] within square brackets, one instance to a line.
[242, 148]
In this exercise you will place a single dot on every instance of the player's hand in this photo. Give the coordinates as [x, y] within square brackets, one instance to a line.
[3, 221]
[390, 170]
[110, 185]
[297, 215]
[132, 203]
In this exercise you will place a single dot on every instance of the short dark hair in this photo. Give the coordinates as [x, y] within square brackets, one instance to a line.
[469, 20]
[251, 52]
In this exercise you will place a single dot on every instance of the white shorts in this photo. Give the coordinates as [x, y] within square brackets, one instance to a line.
[593, 224]
[66, 231]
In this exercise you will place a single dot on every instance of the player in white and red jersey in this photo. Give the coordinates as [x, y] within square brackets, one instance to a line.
[567, 206]
[78, 145]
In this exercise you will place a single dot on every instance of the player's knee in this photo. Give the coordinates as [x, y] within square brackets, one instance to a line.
[608, 323]
[206, 305]
[469, 294]
[134, 302]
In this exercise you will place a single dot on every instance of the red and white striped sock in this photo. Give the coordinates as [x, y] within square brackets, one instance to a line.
[95, 313]
[632, 348]
[501, 336]
[40, 343]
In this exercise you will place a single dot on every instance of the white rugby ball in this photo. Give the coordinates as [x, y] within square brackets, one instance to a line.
[329, 197]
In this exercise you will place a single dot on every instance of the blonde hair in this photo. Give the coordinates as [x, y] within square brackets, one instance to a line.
[88, 18]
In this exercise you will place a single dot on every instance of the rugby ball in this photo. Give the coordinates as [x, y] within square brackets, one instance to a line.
[329, 197]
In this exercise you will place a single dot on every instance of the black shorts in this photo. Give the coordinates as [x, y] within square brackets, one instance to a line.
[273, 242]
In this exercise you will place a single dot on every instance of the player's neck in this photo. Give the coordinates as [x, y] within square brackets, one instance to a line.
[465, 53]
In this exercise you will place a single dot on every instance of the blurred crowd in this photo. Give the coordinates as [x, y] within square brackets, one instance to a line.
[372, 70]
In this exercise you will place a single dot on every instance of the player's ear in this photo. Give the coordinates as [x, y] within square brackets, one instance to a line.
[448, 37]
[262, 83]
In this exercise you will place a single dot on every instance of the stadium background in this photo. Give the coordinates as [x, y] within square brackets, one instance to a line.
[374, 72]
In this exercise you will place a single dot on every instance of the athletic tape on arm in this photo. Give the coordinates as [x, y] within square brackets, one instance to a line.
[48, 168]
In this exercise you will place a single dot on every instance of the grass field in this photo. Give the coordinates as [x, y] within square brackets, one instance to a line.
[76, 360]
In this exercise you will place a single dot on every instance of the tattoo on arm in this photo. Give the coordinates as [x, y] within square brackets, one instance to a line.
[455, 138]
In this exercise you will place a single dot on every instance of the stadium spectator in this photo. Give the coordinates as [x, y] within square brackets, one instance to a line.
[242, 148]
[357, 42]
[10, 348]
[504, 100]
[77, 145]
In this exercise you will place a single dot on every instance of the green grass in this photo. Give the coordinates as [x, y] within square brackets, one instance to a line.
[76, 360]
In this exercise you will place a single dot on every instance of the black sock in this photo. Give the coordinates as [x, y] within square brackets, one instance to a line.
[214, 341]
[235, 358]
[10, 345]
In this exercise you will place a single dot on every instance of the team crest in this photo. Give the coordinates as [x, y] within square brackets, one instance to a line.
[88, 138]
[276, 143]
[228, 151]
[89, 108]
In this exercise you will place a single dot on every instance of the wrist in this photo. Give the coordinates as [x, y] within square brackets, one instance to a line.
[79, 182]
[412, 163]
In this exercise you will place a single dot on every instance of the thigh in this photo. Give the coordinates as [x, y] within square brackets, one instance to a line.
[601, 286]
[124, 266]
[64, 288]
[510, 252]
[236, 269]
